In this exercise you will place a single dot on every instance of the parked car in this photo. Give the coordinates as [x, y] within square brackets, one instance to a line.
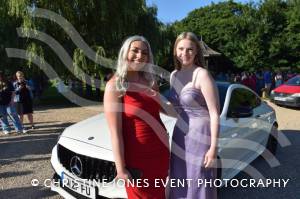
[248, 127]
[288, 94]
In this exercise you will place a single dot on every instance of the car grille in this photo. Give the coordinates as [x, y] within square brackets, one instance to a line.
[92, 168]
[281, 94]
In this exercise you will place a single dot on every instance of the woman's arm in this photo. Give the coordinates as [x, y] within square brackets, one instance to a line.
[113, 113]
[205, 82]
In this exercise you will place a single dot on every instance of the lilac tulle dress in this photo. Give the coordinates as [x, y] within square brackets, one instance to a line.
[190, 142]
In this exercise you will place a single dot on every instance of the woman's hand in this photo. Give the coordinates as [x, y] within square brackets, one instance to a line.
[210, 158]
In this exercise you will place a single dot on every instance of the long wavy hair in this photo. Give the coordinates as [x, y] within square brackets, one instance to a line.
[122, 64]
[199, 58]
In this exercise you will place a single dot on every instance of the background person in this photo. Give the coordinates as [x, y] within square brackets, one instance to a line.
[7, 107]
[278, 79]
[259, 82]
[23, 98]
[267, 80]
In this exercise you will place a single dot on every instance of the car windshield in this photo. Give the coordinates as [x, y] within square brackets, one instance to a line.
[222, 89]
[295, 81]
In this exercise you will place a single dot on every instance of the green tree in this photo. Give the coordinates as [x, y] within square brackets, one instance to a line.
[102, 24]
[249, 35]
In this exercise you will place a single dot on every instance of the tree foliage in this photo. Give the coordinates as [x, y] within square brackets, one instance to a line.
[248, 35]
[103, 25]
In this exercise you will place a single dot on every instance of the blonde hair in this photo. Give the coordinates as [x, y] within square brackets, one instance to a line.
[122, 64]
[199, 58]
[20, 73]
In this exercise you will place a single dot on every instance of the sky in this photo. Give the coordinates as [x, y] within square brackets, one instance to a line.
[172, 10]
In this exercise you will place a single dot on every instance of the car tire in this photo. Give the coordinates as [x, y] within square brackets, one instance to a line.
[272, 140]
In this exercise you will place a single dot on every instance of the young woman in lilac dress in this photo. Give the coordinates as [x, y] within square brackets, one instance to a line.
[194, 144]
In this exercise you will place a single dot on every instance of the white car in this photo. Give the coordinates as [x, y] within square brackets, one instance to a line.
[83, 154]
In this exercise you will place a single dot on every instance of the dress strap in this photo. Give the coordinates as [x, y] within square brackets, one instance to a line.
[173, 80]
[173, 76]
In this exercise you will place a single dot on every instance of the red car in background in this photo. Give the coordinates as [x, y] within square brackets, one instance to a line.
[288, 94]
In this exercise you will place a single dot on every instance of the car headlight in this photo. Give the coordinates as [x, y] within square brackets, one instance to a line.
[296, 95]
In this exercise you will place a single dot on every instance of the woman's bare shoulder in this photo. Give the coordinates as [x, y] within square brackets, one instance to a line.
[202, 77]
[111, 86]
[202, 73]
[112, 82]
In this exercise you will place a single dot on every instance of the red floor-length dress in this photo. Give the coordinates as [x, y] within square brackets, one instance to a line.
[145, 143]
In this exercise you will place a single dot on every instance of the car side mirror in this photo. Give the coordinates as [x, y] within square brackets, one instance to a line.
[240, 112]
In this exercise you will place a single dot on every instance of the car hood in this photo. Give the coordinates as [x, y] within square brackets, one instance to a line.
[95, 131]
[287, 89]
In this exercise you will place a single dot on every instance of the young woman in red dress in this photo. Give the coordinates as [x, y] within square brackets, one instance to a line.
[131, 106]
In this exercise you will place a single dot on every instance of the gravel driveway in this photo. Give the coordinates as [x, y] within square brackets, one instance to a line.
[27, 157]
